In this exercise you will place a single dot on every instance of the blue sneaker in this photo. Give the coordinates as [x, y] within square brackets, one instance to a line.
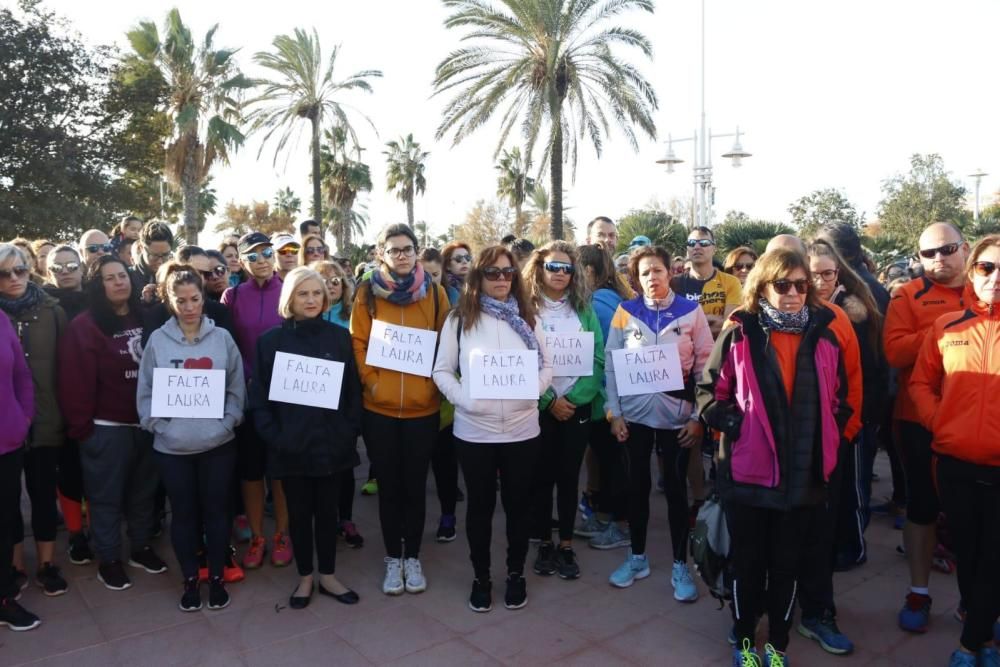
[774, 658]
[746, 656]
[989, 657]
[612, 537]
[590, 527]
[962, 659]
[824, 630]
[996, 633]
[684, 588]
[915, 615]
[585, 509]
[634, 567]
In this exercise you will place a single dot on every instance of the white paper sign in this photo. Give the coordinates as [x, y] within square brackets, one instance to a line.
[648, 370]
[503, 374]
[400, 348]
[572, 352]
[191, 393]
[306, 381]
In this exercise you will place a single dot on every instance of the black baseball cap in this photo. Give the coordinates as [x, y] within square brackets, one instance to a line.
[249, 241]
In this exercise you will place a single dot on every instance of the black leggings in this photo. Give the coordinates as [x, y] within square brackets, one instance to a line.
[198, 487]
[41, 472]
[312, 511]
[345, 495]
[922, 506]
[638, 449]
[560, 454]
[444, 463]
[11, 465]
[401, 450]
[613, 496]
[70, 478]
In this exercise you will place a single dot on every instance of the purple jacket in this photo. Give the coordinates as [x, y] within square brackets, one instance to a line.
[255, 310]
[15, 382]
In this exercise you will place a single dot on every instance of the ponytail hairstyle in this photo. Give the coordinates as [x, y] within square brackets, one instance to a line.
[172, 275]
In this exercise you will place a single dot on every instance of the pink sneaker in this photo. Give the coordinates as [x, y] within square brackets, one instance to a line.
[281, 554]
[254, 557]
[241, 529]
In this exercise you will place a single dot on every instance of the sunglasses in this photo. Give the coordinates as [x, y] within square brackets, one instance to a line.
[333, 282]
[945, 251]
[316, 250]
[68, 267]
[266, 253]
[783, 287]
[289, 250]
[162, 256]
[984, 269]
[742, 267]
[557, 267]
[217, 272]
[98, 247]
[18, 271]
[493, 273]
[464, 259]
[827, 276]
[704, 243]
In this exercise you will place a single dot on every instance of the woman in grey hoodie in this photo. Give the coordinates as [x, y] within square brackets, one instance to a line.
[196, 457]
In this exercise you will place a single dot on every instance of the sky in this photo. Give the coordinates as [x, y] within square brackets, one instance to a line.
[828, 94]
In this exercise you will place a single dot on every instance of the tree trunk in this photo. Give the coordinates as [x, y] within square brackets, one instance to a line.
[317, 207]
[556, 172]
[189, 198]
[409, 208]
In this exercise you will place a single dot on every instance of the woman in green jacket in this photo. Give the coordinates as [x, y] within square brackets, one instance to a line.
[560, 296]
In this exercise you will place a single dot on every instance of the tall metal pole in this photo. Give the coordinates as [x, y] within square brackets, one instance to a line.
[703, 149]
[979, 177]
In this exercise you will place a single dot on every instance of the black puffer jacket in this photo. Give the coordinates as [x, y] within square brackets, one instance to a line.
[304, 440]
[874, 367]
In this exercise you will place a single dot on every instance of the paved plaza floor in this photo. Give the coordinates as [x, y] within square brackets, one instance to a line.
[582, 622]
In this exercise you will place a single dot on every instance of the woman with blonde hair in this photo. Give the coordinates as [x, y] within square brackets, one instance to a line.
[313, 249]
[739, 262]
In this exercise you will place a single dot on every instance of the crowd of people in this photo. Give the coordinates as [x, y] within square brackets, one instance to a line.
[764, 383]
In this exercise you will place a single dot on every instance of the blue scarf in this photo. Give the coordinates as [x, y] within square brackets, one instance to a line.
[507, 311]
[776, 320]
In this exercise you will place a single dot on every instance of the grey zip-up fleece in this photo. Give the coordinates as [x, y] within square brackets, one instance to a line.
[212, 348]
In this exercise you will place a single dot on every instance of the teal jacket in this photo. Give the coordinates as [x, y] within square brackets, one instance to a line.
[588, 389]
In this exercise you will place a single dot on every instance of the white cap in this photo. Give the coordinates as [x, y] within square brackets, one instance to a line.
[279, 241]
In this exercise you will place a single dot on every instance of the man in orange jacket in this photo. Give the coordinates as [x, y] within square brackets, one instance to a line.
[912, 312]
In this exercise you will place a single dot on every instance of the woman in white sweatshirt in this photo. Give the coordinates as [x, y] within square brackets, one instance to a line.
[486, 350]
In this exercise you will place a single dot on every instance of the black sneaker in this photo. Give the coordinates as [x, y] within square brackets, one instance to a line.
[112, 575]
[51, 581]
[218, 597]
[18, 582]
[545, 564]
[147, 559]
[191, 600]
[446, 528]
[481, 599]
[16, 617]
[566, 565]
[517, 591]
[79, 549]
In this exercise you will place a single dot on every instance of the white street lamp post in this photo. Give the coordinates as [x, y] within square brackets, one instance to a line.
[979, 177]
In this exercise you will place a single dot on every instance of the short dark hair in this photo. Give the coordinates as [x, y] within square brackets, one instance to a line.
[600, 218]
[643, 252]
[701, 229]
[185, 254]
[397, 229]
[844, 237]
[507, 240]
[154, 231]
[430, 255]
[305, 225]
[217, 256]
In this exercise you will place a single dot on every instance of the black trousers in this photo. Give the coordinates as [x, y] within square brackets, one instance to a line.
[444, 463]
[401, 451]
[818, 543]
[480, 462]
[766, 546]
[11, 465]
[853, 514]
[198, 488]
[70, 478]
[970, 496]
[312, 513]
[560, 455]
[638, 448]
[41, 474]
[922, 505]
[345, 495]
[613, 496]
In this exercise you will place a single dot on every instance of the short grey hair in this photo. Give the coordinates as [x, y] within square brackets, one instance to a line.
[8, 250]
[296, 277]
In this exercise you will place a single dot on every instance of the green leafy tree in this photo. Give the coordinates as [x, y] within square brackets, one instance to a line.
[405, 171]
[926, 194]
[739, 229]
[484, 225]
[658, 225]
[514, 185]
[819, 207]
[286, 201]
[539, 217]
[344, 177]
[302, 89]
[551, 68]
[204, 83]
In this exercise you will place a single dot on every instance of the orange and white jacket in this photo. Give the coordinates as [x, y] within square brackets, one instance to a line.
[955, 382]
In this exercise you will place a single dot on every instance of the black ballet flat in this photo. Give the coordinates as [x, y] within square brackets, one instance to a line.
[299, 602]
[350, 597]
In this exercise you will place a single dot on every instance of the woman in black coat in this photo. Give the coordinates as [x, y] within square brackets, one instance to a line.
[308, 446]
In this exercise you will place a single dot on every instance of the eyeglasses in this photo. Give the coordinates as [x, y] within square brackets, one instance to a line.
[215, 272]
[18, 271]
[162, 256]
[266, 253]
[396, 253]
[704, 243]
[333, 282]
[557, 267]
[316, 250]
[68, 267]
[464, 259]
[783, 287]
[748, 266]
[98, 247]
[493, 273]
[984, 269]
[826, 276]
[945, 251]
[289, 250]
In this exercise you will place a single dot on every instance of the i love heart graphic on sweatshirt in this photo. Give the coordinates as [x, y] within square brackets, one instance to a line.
[200, 363]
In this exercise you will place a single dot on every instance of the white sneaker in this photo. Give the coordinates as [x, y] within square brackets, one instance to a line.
[393, 582]
[414, 575]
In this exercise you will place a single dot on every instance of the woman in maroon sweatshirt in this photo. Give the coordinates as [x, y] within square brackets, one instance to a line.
[98, 375]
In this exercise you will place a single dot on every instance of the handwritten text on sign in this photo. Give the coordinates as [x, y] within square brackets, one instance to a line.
[572, 352]
[306, 381]
[400, 348]
[647, 370]
[189, 393]
[503, 374]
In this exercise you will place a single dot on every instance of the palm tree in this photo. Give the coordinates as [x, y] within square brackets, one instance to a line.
[343, 178]
[204, 84]
[287, 203]
[538, 221]
[514, 185]
[405, 171]
[549, 64]
[302, 89]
